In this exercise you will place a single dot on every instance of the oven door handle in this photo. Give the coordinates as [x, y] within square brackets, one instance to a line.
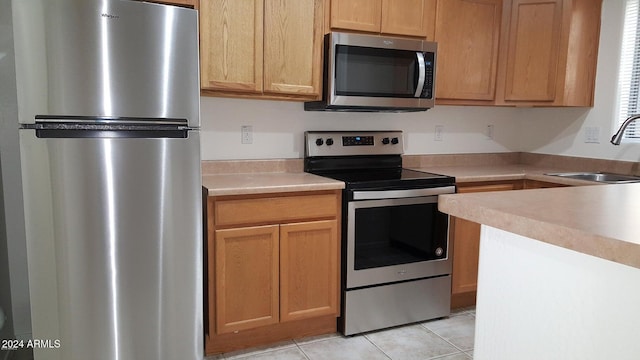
[397, 194]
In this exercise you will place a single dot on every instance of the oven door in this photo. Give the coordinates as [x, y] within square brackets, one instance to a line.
[395, 239]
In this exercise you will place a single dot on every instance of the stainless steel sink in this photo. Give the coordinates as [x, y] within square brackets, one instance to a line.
[602, 177]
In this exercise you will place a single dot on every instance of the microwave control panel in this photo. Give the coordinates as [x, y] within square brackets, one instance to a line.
[429, 65]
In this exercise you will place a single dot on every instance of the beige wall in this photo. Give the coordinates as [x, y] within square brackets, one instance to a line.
[279, 127]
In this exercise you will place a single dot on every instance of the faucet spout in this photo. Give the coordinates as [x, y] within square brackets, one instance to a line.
[617, 137]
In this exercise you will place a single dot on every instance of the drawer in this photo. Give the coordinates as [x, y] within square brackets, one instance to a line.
[275, 210]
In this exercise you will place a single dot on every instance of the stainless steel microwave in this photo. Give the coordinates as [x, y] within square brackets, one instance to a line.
[374, 73]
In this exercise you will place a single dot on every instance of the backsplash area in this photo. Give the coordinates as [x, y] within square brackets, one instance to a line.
[278, 128]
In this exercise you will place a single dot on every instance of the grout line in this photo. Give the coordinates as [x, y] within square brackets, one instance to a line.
[377, 347]
[449, 342]
[303, 353]
[447, 355]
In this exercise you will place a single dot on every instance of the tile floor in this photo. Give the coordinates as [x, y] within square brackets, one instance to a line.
[444, 339]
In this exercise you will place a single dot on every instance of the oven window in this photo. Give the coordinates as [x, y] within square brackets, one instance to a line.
[392, 235]
[363, 71]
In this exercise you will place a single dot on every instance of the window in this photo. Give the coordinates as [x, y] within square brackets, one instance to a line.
[629, 78]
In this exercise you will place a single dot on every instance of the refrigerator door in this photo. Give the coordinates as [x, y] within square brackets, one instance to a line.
[106, 59]
[114, 241]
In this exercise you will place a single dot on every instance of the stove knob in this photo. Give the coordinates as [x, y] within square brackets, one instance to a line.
[329, 141]
[319, 141]
[385, 141]
[395, 140]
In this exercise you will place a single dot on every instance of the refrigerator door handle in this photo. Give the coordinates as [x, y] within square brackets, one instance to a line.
[115, 134]
[63, 130]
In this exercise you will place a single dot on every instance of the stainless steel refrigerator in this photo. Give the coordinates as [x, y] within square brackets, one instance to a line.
[108, 99]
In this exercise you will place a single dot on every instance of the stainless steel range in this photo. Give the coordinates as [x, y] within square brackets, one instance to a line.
[396, 267]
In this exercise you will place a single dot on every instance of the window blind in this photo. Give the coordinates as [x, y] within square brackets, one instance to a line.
[629, 77]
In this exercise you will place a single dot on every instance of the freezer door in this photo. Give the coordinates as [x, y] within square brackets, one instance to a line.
[114, 241]
[106, 58]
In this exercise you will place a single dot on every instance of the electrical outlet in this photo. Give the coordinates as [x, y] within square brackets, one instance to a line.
[592, 134]
[438, 133]
[247, 134]
[488, 132]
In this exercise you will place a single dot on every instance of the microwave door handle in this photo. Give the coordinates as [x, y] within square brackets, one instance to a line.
[421, 74]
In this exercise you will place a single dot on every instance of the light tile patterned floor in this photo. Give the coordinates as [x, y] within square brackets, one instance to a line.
[445, 339]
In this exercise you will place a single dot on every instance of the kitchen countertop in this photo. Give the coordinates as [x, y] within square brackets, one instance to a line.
[601, 221]
[272, 182]
[262, 183]
[503, 173]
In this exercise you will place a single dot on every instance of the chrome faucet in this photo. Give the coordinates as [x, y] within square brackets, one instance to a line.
[617, 137]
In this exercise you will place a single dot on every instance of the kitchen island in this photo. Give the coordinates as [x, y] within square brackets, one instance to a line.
[558, 271]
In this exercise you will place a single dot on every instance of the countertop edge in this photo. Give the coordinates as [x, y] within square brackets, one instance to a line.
[590, 244]
[267, 183]
[273, 189]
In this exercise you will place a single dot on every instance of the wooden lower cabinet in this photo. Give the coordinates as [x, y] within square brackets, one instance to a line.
[273, 268]
[465, 236]
[465, 239]
[247, 277]
[537, 184]
[309, 270]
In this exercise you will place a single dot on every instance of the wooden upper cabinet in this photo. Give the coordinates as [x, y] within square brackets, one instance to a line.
[293, 46]
[581, 34]
[408, 17]
[261, 48]
[517, 52]
[413, 18]
[361, 15]
[533, 56]
[231, 45]
[550, 53]
[468, 35]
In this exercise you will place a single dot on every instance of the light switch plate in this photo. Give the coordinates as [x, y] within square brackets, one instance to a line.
[592, 134]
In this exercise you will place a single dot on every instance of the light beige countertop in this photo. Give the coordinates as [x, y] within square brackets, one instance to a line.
[602, 221]
[272, 182]
[262, 183]
[470, 173]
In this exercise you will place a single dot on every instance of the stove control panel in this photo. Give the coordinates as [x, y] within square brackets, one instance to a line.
[358, 140]
[349, 143]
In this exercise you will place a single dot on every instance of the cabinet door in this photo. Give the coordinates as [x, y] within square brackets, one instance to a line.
[231, 45]
[533, 49]
[537, 184]
[468, 34]
[293, 46]
[466, 248]
[361, 15]
[246, 278]
[308, 270]
[408, 17]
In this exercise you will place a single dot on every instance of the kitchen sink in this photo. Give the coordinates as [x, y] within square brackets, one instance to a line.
[602, 177]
